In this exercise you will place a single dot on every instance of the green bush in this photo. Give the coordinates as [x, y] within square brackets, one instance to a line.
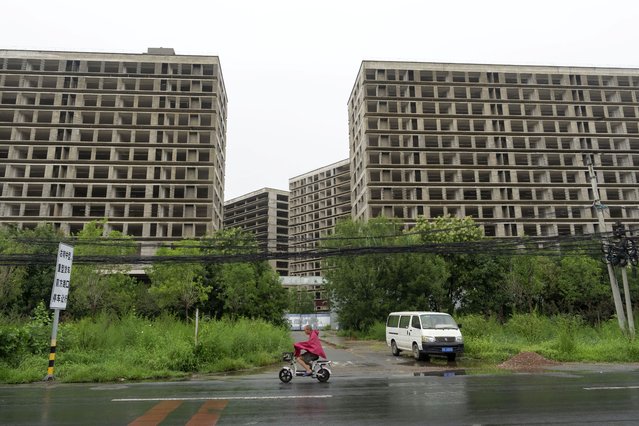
[477, 326]
[533, 328]
[568, 329]
[567, 344]
[19, 339]
[11, 341]
[376, 331]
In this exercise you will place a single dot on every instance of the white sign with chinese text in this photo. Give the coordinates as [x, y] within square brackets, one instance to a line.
[60, 292]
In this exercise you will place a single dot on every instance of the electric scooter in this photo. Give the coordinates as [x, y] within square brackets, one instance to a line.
[320, 369]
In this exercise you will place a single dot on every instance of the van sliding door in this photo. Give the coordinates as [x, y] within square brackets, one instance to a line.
[403, 338]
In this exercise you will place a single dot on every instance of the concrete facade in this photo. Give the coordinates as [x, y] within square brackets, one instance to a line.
[505, 144]
[138, 139]
[318, 199]
[265, 214]
[313, 285]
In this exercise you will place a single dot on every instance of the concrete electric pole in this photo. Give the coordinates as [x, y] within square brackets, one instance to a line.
[621, 317]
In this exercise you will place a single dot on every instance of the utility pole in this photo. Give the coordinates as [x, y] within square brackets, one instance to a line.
[621, 317]
[628, 252]
[626, 292]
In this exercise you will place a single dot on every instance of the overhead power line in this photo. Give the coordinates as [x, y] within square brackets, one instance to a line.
[365, 245]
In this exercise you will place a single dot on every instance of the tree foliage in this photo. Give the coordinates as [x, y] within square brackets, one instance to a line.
[248, 288]
[447, 229]
[179, 285]
[582, 287]
[253, 290]
[526, 280]
[478, 285]
[243, 289]
[12, 277]
[226, 242]
[363, 283]
[104, 286]
[452, 229]
[300, 301]
[364, 288]
[23, 287]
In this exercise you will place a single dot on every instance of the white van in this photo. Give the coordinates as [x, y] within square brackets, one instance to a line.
[425, 334]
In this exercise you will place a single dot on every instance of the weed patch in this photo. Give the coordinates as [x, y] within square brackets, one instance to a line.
[106, 348]
[563, 338]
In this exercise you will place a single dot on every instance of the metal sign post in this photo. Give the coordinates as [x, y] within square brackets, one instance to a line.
[59, 297]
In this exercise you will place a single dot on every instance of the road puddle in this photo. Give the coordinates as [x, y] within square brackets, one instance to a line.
[445, 373]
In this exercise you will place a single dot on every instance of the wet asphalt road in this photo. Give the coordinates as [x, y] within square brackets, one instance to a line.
[368, 386]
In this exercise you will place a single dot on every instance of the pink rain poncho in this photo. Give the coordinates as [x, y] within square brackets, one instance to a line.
[312, 345]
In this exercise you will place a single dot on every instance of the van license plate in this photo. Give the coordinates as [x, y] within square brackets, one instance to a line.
[447, 349]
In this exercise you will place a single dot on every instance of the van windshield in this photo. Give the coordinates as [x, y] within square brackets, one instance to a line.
[437, 321]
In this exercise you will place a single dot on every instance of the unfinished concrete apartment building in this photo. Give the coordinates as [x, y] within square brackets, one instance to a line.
[507, 145]
[138, 139]
[264, 213]
[318, 199]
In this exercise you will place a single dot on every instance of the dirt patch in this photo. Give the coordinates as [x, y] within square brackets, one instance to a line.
[527, 361]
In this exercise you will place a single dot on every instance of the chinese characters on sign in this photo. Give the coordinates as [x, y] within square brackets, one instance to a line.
[60, 292]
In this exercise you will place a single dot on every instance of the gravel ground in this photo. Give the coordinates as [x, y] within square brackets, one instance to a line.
[527, 361]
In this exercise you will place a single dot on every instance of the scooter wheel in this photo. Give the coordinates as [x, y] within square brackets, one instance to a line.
[285, 375]
[323, 375]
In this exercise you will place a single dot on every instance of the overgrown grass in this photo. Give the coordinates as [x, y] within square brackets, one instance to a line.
[105, 349]
[376, 332]
[561, 338]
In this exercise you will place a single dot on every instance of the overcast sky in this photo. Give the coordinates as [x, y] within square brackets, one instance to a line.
[289, 66]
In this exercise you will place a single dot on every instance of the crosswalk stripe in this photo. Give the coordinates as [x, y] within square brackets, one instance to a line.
[156, 414]
[208, 414]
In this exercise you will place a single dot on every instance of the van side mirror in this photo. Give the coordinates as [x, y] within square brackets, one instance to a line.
[459, 326]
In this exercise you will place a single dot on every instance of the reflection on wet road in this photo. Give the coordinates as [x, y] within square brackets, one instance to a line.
[368, 385]
[444, 399]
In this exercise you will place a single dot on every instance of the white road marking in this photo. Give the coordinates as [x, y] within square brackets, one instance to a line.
[612, 387]
[215, 398]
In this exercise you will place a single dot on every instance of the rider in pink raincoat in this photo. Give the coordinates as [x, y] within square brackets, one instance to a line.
[313, 348]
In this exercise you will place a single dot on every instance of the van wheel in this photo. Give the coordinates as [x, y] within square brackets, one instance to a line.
[394, 349]
[417, 353]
